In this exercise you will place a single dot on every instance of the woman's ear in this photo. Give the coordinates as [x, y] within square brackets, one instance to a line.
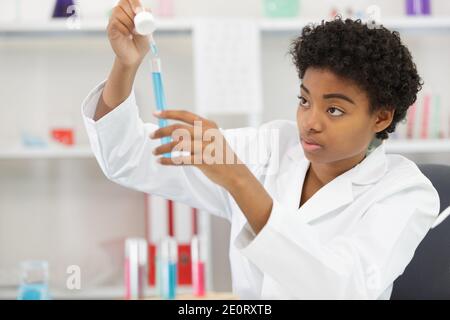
[384, 117]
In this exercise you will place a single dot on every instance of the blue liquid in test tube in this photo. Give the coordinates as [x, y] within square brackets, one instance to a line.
[158, 89]
[168, 266]
[172, 281]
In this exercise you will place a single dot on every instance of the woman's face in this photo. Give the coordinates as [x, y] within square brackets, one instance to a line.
[334, 114]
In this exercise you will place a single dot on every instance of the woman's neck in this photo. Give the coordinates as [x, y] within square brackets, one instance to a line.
[324, 173]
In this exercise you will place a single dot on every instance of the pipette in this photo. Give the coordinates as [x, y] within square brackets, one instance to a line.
[144, 23]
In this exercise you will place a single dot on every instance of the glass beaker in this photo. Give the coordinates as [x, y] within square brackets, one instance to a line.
[34, 281]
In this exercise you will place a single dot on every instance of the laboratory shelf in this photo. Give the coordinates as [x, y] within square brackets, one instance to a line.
[403, 24]
[418, 146]
[70, 27]
[81, 152]
[424, 23]
[100, 293]
[85, 152]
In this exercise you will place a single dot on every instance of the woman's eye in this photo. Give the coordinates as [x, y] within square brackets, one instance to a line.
[335, 112]
[303, 102]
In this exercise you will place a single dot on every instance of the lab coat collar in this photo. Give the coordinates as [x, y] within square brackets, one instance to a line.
[340, 191]
[368, 171]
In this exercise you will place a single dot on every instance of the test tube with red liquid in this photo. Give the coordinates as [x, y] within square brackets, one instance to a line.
[198, 258]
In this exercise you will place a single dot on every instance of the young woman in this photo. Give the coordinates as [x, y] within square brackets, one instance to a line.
[322, 212]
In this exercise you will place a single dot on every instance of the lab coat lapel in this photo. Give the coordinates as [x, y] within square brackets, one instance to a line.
[289, 183]
[330, 197]
[339, 192]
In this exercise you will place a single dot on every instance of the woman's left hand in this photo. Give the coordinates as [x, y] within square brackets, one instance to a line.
[207, 149]
[200, 144]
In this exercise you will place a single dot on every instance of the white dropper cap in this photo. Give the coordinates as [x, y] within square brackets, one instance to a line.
[144, 23]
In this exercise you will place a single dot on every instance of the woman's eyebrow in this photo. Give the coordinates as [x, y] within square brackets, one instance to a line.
[338, 96]
[304, 88]
[331, 95]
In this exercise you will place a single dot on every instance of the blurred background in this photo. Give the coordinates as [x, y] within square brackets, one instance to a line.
[226, 60]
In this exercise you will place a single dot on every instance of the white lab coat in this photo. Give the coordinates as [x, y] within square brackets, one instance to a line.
[351, 240]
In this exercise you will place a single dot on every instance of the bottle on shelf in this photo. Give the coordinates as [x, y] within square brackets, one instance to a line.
[418, 7]
[281, 8]
[63, 9]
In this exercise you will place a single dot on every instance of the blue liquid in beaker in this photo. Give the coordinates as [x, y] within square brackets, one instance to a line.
[35, 291]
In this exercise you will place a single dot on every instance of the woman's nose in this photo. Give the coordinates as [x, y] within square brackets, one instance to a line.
[312, 120]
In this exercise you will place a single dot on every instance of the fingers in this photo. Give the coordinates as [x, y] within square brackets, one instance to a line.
[135, 6]
[169, 147]
[116, 25]
[180, 115]
[185, 147]
[121, 21]
[126, 15]
[178, 161]
[188, 138]
[169, 130]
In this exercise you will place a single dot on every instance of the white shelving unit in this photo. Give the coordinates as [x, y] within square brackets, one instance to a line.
[101, 293]
[169, 26]
[81, 152]
[84, 152]
[186, 25]
[65, 28]
[418, 146]
[404, 24]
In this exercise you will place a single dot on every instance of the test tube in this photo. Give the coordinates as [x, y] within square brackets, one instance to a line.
[135, 268]
[158, 90]
[198, 259]
[145, 25]
[168, 267]
[159, 287]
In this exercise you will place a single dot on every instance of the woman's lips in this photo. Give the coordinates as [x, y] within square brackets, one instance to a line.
[310, 146]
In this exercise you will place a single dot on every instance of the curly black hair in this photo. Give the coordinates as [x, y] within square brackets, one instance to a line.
[373, 58]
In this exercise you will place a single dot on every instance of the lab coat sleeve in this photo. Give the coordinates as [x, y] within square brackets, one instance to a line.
[121, 144]
[360, 264]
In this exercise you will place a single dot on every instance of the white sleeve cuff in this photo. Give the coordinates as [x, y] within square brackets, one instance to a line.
[89, 106]
[108, 133]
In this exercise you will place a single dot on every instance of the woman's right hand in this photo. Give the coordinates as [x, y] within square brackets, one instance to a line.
[130, 48]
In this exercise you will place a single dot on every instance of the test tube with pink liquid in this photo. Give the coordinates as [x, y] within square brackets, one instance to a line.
[135, 268]
[198, 259]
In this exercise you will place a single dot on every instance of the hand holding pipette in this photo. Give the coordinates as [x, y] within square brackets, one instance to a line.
[128, 44]
[130, 49]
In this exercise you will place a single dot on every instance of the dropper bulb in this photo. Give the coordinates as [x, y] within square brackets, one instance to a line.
[144, 23]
